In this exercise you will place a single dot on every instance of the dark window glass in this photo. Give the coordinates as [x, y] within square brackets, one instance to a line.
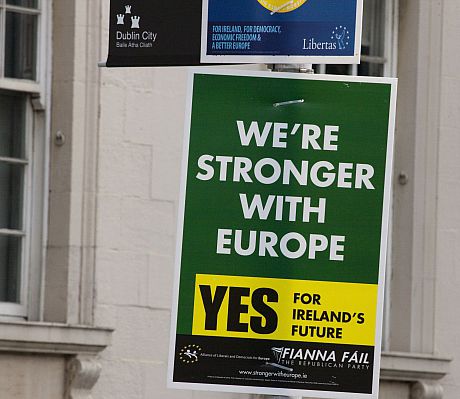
[11, 199]
[12, 125]
[373, 39]
[337, 69]
[20, 45]
[10, 260]
[370, 69]
[23, 3]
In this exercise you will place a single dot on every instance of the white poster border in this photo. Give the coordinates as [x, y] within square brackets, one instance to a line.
[192, 71]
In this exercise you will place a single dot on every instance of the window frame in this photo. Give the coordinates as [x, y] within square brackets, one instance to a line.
[11, 308]
[37, 122]
[4, 8]
[390, 70]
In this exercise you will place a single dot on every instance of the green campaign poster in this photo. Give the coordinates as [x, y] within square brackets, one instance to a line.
[282, 234]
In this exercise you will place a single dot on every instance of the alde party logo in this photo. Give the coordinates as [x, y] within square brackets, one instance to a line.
[189, 354]
[133, 37]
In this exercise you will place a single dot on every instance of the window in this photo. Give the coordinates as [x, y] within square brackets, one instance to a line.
[19, 19]
[13, 180]
[20, 87]
[378, 45]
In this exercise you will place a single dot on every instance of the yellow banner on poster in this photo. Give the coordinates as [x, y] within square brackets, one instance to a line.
[282, 309]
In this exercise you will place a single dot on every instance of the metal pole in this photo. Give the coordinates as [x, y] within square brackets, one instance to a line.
[299, 68]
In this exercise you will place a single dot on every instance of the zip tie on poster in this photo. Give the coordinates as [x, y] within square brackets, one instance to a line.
[279, 366]
[281, 7]
[283, 103]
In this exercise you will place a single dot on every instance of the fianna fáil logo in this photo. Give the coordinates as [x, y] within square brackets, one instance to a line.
[277, 353]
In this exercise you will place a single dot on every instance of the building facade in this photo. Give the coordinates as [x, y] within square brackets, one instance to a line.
[89, 185]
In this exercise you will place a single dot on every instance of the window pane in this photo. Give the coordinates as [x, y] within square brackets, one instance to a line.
[337, 69]
[10, 261]
[12, 124]
[23, 3]
[11, 199]
[370, 69]
[373, 38]
[20, 45]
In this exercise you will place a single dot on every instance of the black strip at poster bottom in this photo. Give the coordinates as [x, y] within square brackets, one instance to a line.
[278, 364]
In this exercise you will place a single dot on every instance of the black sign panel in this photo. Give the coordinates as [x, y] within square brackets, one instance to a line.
[248, 362]
[154, 33]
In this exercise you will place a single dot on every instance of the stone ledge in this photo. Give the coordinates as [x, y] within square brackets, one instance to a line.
[53, 338]
[413, 367]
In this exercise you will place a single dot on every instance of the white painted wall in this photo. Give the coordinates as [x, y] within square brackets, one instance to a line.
[141, 124]
[24, 376]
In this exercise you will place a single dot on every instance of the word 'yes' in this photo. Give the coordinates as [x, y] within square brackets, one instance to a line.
[265, 323]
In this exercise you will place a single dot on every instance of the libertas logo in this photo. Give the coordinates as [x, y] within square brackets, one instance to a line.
[342, 36]
[312, 44]
[340, 39]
